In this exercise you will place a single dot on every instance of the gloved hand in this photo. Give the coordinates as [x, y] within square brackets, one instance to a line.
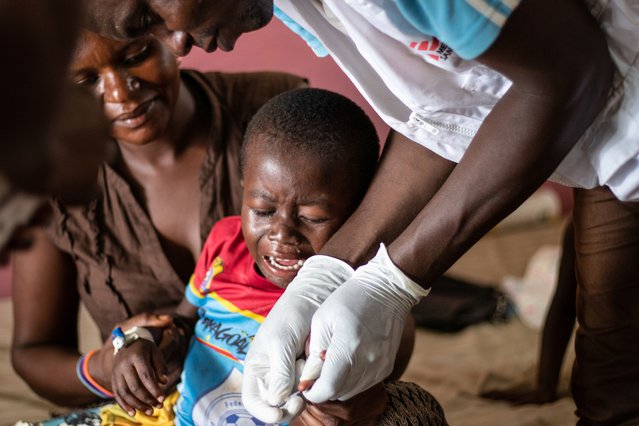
[269, 367]
[359, 326]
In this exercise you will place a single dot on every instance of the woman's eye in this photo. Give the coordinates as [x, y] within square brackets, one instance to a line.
[87, 80]
[138, 56]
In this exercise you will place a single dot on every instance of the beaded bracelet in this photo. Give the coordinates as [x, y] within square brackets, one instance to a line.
[82, 371]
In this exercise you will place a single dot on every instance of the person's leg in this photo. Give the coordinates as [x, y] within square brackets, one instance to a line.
[605, 380]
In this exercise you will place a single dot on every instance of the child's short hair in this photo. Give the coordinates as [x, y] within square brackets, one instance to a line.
[323, 125]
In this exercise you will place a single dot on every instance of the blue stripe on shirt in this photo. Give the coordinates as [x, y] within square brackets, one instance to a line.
[468, 26]
[310, 39]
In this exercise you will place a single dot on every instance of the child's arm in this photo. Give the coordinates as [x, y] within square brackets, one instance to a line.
[143, 371]
[367, 407]
[139, 373]
[364, 409]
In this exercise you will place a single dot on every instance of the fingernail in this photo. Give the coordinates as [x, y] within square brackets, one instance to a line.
[165, 316]
[161, 399]
[131, 413]
[149, 411]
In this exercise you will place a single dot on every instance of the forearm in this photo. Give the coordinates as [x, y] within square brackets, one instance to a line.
[557, 91]
[556, 335]
[50, 372]
[392, 201]
[560, 320]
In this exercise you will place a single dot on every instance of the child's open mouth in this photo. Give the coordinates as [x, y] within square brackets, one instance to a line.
[285, 264]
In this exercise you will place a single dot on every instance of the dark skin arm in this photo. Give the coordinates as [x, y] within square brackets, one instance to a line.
[140, 375]
[558, 327]
[559, 324]
[367, 407]
[45, 342]
[45, 336]
[560, 82]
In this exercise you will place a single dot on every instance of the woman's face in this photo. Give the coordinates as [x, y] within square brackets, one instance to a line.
[137, 83]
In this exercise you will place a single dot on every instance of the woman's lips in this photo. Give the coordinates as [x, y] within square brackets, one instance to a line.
[137, 117]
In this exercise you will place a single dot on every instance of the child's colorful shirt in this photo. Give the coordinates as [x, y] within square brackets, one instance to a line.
[233, 300]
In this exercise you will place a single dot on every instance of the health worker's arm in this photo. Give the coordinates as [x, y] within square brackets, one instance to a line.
[557, 59]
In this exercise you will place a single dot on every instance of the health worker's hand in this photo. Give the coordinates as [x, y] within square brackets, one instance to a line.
[359, 328]
[269, 368]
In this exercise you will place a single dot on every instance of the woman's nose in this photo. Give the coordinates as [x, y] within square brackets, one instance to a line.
[178, 42]
[118, 87]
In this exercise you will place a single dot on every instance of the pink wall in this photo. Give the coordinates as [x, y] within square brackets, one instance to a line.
[276, 48]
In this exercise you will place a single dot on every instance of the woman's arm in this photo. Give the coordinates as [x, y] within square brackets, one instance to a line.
[45, 339]
[45, 343]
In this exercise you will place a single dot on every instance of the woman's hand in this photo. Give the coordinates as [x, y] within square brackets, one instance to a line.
[363, 409]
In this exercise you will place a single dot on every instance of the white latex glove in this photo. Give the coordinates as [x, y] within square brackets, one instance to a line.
[359, 326]
[269, 368]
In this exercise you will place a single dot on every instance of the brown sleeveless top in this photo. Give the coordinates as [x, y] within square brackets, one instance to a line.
[121, 267]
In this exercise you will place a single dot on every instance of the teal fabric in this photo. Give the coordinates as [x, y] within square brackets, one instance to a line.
[310, 39]
[463, 27]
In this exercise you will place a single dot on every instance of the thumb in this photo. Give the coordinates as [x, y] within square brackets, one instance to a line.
[310, 372]
[148, 320]
[282, 375]
[158, 366]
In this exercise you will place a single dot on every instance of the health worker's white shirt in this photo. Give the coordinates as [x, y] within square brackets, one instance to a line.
[423, 90]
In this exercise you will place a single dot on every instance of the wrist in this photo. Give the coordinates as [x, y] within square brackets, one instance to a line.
[99, 366]
[86, 374]
[331, 270]
[383, 264]
[122, 338]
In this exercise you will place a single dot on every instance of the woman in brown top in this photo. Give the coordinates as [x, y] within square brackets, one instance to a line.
[133, 249]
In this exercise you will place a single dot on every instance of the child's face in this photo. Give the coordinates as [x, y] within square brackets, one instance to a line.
[292, 205]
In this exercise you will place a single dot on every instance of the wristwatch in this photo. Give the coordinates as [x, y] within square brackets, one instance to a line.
[123, 338]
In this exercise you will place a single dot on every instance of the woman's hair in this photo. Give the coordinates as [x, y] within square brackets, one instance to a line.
[322, 125]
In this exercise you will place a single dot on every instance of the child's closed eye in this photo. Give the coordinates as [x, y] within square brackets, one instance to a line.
[262, 212]
[313, 220]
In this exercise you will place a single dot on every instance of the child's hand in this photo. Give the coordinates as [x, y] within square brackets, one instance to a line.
[363, 409]
[102, 362]
[139, 377]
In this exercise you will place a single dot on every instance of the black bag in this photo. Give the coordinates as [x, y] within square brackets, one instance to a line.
[454, 304]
